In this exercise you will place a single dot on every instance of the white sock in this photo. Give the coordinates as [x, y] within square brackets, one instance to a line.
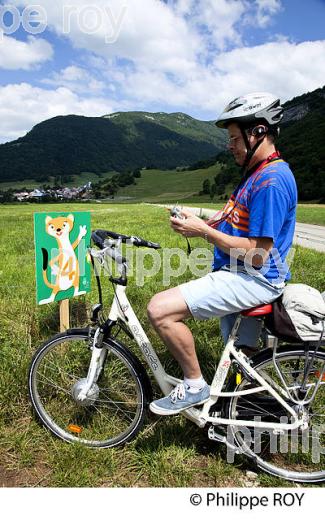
[195, 385]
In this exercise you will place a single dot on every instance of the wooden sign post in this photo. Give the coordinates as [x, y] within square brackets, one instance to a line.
[62, 264]
[64, 315]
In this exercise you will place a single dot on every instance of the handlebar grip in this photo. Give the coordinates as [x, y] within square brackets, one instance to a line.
[140, 242]
[152, 245]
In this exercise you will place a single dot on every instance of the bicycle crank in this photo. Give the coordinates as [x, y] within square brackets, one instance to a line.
[78, 393]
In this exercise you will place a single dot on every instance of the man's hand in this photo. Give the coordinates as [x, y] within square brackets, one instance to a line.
[255, 250]
[190, 225]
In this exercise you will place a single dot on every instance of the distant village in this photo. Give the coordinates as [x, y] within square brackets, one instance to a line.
[60, 193]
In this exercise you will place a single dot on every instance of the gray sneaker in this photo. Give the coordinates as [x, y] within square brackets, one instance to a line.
[179, 399]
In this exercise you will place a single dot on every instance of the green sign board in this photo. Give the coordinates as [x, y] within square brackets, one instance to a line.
[62, 260]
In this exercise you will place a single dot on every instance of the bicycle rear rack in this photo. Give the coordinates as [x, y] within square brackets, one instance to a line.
[298, 393]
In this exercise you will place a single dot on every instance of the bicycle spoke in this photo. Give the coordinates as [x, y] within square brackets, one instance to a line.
[116, 403]
[256, 409]
[118, 409]
[51, 383]
[112, 411]
[288, 453]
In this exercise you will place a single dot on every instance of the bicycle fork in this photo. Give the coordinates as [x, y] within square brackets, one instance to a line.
[95, 367]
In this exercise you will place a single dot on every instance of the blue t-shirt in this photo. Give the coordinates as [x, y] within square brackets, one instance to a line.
[265, 206]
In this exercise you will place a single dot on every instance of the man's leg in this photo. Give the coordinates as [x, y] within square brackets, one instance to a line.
[248, 333]
[214, 295]
[166, 311]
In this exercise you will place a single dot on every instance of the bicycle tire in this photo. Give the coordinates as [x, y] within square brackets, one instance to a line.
[117, 408]
[288, 465]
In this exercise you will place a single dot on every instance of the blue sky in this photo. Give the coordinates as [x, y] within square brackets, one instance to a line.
[298, 20]
[178, 55]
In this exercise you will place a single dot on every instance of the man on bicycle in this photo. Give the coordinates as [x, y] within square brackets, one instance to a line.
[251, 239]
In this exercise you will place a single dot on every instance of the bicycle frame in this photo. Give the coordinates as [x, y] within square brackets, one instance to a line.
[121, 309]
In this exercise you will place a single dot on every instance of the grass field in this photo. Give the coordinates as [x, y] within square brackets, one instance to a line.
[169, 452]
[153, 185]
[160, 186]
[311, 214]
[170, 187]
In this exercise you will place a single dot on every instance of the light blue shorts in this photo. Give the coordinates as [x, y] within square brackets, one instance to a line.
[224, 294]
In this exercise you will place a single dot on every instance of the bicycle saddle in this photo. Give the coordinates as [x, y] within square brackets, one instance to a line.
[260, 310]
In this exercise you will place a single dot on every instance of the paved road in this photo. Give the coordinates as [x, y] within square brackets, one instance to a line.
[306, 235]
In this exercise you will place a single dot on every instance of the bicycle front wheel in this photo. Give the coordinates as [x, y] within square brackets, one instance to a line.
[298, 454]
[116, 405]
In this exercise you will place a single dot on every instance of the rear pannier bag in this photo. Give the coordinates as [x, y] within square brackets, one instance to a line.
[298, 315]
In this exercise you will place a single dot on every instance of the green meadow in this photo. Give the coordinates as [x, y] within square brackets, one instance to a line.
[152, 186]
[168, 452]
[311, 214]
[161, 186]
[170, 186]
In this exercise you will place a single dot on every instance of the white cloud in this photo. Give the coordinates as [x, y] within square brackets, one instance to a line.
[169, 37]
[266, 9]
[73, 73]
[214, 21]
[181, 55]
[285, 68]
[76, 79]
[147, 32]
[15, 54]
[22, 106]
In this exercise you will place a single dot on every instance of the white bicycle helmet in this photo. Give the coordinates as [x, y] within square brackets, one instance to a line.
[252, 108]
[259, 113]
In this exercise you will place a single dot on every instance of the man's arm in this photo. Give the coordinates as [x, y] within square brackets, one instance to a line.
[257, 249]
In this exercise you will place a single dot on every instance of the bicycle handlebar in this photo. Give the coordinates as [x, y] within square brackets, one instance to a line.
[100, 235]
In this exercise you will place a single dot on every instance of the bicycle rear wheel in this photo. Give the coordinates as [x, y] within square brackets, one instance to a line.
[116, 406]
[297, 455]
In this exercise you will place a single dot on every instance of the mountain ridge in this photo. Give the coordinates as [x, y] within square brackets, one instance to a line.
[69, 145]
[122, 141]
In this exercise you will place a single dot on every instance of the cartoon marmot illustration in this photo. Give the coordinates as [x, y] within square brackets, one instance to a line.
[65, 266]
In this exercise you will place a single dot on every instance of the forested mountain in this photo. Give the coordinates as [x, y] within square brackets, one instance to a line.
[68, 145]
[124, 141]
[302, 143]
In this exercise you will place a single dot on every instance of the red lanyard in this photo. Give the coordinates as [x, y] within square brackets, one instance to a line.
[211, 222]
[270, 158]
